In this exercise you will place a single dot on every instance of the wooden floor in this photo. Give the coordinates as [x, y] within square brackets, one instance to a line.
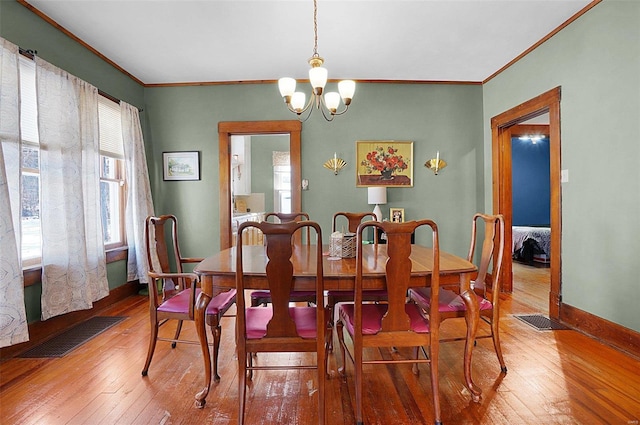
[554, 377]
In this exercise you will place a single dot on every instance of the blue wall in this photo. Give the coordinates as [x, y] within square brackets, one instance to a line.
[530, 176]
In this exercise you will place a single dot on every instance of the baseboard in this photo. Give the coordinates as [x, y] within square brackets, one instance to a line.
[619, 337]
[41, 331]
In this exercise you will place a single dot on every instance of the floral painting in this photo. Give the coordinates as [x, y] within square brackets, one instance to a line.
[384, 163]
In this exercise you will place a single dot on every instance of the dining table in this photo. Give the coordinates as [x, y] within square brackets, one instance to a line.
[217, 274]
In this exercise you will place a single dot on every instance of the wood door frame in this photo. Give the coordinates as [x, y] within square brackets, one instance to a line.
[292, 128]
[502, 126]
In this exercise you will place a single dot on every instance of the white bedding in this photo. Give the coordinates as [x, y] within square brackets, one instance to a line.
[542, 235]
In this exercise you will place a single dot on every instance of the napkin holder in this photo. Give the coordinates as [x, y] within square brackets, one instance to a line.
[342, 245]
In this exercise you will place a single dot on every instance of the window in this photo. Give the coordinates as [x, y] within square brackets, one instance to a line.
[31, 239]
[112, 182]
[112, 195]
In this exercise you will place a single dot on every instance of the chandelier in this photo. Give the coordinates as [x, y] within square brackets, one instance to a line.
[329, 104]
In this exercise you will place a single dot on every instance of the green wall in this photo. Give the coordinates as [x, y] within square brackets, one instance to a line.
[435, 117]
[596, 62]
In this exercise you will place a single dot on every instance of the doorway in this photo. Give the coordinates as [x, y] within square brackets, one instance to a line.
[227, 129]
[503, 127]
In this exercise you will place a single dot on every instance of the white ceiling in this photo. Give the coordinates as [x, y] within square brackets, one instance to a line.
[184, 41]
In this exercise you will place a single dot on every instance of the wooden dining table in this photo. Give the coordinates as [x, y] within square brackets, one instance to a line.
[217, 274]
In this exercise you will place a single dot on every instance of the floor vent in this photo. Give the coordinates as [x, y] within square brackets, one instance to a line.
[541, 323]
[62, 344]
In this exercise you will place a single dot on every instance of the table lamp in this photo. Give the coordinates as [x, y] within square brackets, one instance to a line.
[377, 195]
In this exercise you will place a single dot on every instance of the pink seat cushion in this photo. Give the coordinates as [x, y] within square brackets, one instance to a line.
[448, 301]
[179, 303]
[257, 319]
[372, 318]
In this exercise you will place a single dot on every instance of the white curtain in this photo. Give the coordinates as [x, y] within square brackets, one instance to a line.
[13, 318]
[139, 202]
[73, 258]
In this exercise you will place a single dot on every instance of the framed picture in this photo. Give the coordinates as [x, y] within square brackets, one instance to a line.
[384, 163]
[181, 165]
[396, 215]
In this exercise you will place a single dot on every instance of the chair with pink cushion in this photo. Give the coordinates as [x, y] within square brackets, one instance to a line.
[451, 304]
[279, 327]
[397, 323]
[179, 290]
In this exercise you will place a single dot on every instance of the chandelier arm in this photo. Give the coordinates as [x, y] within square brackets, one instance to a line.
[333, 114]
[301, 116]
[324, 114]
[346, 108]
[303, 110]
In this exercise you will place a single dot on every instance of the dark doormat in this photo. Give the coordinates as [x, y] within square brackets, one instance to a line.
[60, 345]
[542, 323]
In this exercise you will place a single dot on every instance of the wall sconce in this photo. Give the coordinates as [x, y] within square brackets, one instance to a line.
[335, 164]
[435, 164]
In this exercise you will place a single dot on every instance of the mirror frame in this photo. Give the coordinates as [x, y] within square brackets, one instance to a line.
[228, 128]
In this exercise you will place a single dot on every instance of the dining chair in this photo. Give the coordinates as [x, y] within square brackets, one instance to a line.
[279, 327]
[179, 289]
[396, 323]
[450, 303]
[334, 296]
[264, 297]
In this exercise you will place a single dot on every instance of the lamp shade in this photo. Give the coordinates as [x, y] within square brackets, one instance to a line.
[377, 195]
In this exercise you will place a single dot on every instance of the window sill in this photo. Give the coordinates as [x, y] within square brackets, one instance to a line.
[33, 275]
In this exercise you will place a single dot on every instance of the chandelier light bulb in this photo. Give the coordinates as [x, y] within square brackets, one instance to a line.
[318, 78]
[332, 101]
[297, 101]
[347, 88]
[287, 86]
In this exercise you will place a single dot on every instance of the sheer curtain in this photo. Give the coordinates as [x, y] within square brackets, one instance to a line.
[139, 202]
[13, 318]
[73, 258]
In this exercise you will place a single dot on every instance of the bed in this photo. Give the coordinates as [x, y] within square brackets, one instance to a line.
[531, 243]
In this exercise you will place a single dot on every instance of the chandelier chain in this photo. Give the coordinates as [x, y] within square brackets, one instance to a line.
[315, 28]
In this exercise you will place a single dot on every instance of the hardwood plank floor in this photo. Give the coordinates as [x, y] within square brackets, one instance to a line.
[554, 377]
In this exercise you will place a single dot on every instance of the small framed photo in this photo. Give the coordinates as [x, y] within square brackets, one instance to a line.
[396, 215]
[181, 165]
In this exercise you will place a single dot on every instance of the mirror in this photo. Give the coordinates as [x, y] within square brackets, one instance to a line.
[232, 169]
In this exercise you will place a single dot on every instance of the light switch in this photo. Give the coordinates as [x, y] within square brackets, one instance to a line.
[564, 176]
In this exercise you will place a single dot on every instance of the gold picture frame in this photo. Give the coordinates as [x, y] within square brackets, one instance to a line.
[396, 215]
[384, 163]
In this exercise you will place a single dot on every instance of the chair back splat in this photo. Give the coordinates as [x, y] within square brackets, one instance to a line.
[280, 327]
[264, 297]
[396, 323]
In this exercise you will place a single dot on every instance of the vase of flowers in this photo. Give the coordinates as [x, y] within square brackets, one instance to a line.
[385, 161]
